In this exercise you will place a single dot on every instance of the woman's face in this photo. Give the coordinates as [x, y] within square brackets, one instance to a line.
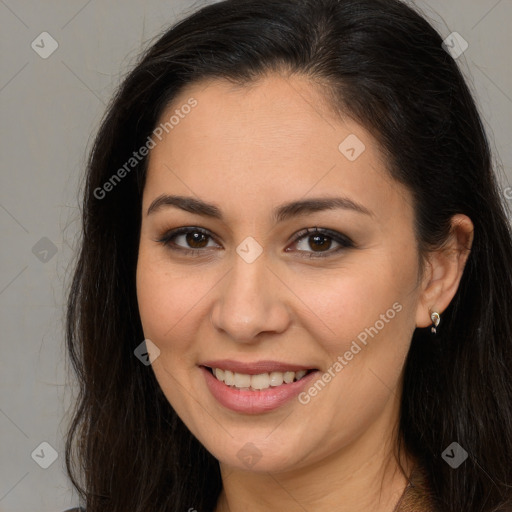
[249, 291]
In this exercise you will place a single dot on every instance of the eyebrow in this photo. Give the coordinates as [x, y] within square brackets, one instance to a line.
[279, 214]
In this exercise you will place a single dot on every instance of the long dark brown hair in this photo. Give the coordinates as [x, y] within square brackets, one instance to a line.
[383, 65]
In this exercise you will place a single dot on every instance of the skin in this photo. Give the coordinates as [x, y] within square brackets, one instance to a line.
[248, 150]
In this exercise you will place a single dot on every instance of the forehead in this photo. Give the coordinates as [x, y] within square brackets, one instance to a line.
[276, 113]
[270, 141]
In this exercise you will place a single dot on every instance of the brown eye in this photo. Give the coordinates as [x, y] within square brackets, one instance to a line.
[196, 240]
[319, 241]
[189, 240]
[315, 242]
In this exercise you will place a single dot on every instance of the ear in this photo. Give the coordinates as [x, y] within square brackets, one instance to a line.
[444, 269]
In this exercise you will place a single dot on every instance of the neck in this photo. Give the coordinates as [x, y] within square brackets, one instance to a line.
[365, 476]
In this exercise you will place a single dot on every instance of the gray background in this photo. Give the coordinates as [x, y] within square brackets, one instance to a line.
[50, 109]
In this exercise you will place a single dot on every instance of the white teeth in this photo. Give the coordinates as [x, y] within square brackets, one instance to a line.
[229, 378]
[276, 378]
[242, 380]
[258, 382]
[288, 377]
[261, 381]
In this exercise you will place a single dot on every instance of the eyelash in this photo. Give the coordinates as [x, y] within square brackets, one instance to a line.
[344, 241]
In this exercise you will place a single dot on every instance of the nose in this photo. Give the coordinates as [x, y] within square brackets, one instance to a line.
[251, 300]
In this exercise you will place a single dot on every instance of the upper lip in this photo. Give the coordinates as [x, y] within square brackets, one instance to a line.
[255, 367]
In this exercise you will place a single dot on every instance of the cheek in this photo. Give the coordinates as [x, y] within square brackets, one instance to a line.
[362, 322]
[165, 295]
[344, 305]
[169, 300]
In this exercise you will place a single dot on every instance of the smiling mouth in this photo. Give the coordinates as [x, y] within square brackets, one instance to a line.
[259, 382]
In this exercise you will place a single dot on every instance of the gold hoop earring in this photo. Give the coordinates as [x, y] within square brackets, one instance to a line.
[435, 320]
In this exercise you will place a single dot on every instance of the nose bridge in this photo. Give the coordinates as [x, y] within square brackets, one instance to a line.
[249, 300]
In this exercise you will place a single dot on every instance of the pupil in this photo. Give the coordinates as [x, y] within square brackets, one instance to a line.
[316, 238]
[195, 238]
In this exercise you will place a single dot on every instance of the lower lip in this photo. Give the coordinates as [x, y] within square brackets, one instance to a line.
[254, 402]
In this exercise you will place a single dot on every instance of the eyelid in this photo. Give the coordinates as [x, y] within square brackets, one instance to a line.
[173, 233]
[343, 240]
[335, 235]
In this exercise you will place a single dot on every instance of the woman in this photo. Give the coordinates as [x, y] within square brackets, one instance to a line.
[294, 288]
